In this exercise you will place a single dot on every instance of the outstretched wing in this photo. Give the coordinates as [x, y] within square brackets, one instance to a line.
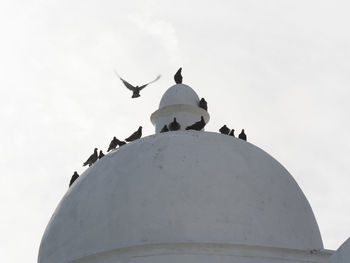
[143, 86]
[127, 84]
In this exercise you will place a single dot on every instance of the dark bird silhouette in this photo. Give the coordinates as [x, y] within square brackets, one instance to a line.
[75, 176]
[242, 135]
[121, 143]
[203, 104]
[178, 76]
[199, 125]
[232, 133]
[92, 159]
[224, 130]
[136, 135]
[113, 144]
[174, 125]
[164, 129]
[101, 155]
[136, 89]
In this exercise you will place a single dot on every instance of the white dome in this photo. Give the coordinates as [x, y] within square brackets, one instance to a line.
[179, 94]
[342, 255]
[180, 187]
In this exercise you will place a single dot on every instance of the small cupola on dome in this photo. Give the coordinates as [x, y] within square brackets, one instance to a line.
[181, 102]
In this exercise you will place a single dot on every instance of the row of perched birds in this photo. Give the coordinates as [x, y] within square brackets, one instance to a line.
[173, 126]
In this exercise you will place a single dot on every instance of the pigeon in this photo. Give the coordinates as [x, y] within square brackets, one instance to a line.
[164, 129]
[136, 89]
[199, 125]
[121, 143]
[92, 159]
[75, 176]
[224, 130]
[203, 104]
[232, 133]
[101, 155]
[178, 76]
[242, 135]
[136, 135]
[174, 126]
[114, 143]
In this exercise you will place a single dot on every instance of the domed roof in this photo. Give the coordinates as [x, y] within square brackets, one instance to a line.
[179, 94]
[342, 255]
[183, 186]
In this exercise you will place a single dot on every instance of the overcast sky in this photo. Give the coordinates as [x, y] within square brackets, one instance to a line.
[279, 69]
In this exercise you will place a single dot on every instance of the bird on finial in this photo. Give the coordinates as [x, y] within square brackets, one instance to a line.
[199, 125]
[178, 76]
[101, 155]
[224, 130]
[136, 89]
[232, 133]
[242, 135]
[164, 129]
[174, 125]
[92, 159]
[136, 135]
[113, 144]
[75, 176]
[203, 104]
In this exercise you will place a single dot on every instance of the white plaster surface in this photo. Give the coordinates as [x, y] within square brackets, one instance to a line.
[179, 94]
[342, 255]
[180, 187]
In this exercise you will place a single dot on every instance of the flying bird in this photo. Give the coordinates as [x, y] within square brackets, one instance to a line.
[101, 155]
[164, 129]
[92, 159]
[178, 76]
[174, 125]
[242, 135]
[199, 125]
[232, 133]
[136, 89]
[75, 176]
[224, 130]
[113, 144]
[136, 135]
[203, 104]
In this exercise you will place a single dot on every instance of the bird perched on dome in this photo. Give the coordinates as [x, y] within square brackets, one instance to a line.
[136, 135]
[75, 176]
[121, 143]
[164, 129]
[174, 125]
[203, 104]
[113, 144]
[242, 135]
[199, 125]
[224, 130]
[101, 155]
[136, 89]
[232, 133]
[178, 76]
[92, 159]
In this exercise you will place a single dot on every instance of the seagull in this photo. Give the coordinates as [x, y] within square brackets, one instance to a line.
[164, 129]
[178, 76]
[242, 135]
[101, 155]
[174, 126]
[136, 135]
[121, 143]
[203, 104]
[232, 133]
[75, 176]
[199, 125]
[92, 159]
[136, 89]
[113, 144]
[224, 130]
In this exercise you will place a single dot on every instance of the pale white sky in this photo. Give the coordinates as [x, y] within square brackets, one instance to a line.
[279, 69]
